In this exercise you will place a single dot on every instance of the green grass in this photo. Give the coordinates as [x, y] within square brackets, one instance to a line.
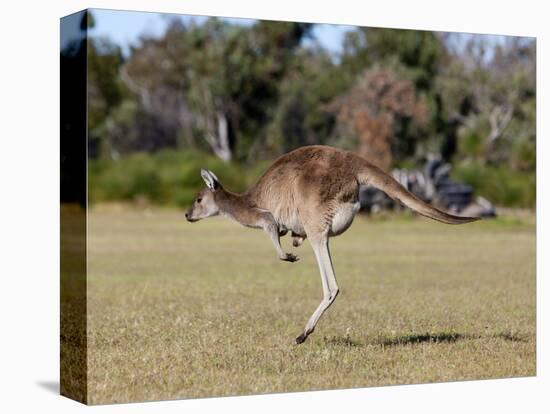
[179, 310]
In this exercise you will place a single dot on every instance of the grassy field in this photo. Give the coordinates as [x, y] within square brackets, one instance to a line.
[180, 310]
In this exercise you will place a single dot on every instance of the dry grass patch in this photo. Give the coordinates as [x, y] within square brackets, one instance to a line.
[179, 310]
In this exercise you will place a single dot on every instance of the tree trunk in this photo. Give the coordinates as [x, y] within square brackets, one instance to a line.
[219, 140]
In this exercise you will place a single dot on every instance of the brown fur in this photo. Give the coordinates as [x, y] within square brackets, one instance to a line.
[312, 192]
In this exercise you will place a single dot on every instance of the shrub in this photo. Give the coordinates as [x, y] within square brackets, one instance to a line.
[165, 178]
[173, 178]
[500, 185]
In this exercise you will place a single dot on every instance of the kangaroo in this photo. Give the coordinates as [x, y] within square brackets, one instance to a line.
[312, 192]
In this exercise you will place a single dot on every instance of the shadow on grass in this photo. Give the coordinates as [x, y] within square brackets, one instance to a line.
[342, 341]
[407, 339]
[346, 341]
[442, 337]
[514, 337]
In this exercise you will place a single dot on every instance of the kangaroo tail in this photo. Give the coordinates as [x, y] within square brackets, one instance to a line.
[374, 176]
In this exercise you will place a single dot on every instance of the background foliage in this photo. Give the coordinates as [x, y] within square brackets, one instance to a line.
[233, 97]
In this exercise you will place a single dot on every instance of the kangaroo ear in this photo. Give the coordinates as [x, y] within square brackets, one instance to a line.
[210, 179]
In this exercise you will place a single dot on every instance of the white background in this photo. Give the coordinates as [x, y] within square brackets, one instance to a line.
[29, 193]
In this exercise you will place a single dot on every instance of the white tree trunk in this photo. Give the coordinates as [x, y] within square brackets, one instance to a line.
[219, 141]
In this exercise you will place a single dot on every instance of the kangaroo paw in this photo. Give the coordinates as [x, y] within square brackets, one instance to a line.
[289, 257]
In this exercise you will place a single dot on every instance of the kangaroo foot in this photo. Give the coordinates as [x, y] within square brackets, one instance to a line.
[301, 338]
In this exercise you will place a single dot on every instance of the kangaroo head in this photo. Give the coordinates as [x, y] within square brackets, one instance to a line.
[205, 203]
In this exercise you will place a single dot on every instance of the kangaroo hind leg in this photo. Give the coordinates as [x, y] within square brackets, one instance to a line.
[328, 280]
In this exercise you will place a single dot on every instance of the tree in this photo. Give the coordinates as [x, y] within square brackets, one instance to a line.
[105, 90]
[373, 110]
[492, 98]
[220, 80]
[419, 52]
[300, 116]
[412, 55]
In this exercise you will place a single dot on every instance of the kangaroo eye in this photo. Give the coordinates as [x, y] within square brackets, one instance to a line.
[199, 200]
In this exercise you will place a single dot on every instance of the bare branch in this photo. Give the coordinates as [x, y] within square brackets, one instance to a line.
[139, 90]
[499, 119]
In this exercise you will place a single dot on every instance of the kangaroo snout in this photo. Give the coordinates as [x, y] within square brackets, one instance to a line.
[189, 218]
